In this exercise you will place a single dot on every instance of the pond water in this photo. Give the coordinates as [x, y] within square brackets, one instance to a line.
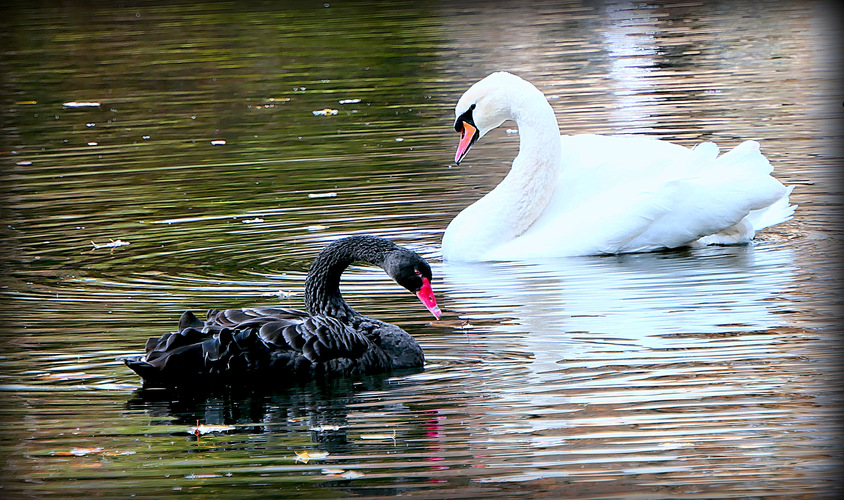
[696, 374]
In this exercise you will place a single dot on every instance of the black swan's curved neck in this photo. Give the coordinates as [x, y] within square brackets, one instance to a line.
[322, 287]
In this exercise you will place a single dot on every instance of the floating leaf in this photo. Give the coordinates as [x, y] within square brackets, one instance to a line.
[206, 429]
[323, 428]
[111, 244]
[379, 436]
[281, 294]
[79, 452]
[458, 324]
[81, 104]
[304, 456]
[66, 376]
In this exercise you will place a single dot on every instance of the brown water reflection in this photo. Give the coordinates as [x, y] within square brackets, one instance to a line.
[706, 373]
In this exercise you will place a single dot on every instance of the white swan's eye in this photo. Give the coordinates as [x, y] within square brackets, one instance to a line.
[465, 117]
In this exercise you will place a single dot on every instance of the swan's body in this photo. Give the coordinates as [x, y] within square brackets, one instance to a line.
[278, 347]
[589, 194]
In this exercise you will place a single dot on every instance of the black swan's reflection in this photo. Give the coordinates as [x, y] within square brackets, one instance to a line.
[321, 407]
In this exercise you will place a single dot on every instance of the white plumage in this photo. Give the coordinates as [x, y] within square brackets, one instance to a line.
[591, 194]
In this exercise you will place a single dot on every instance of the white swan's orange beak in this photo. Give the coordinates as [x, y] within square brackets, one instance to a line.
[468, 135]
[426, 295]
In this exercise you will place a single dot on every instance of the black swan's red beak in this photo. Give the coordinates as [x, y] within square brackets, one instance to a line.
[426, 295]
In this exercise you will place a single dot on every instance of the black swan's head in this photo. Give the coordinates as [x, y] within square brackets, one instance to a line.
[406, 267]
[411, 271]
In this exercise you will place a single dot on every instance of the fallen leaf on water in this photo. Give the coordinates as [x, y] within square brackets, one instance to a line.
[283, 294]
[66, 376]
[79, 452]
[322, 428]
[94, 465]
[379, 436]
[205, 429]
[81, 104]
[111, 244]
[669, 444]
[457, 324]
[99, 450]
[304, 456]
[322, 195]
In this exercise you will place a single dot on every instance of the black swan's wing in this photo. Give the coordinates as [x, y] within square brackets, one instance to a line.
[263, 344]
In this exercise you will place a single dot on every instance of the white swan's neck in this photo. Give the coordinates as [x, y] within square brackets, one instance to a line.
[532, 179]
[507, 211]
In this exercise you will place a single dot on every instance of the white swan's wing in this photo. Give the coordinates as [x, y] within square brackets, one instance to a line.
[626, 194]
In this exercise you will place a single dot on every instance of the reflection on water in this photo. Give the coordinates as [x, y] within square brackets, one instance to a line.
[635, 296]
[702, 373]
[632, 49]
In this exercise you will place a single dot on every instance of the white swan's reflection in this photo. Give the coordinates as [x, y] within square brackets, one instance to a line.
[586, 350]
[633, 296]
[569, 308]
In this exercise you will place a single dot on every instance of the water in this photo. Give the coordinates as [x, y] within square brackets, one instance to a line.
[695, 374]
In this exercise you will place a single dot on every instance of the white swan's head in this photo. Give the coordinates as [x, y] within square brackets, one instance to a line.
[486, 105]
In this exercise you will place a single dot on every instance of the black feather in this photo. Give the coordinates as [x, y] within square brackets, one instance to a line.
[277, 346]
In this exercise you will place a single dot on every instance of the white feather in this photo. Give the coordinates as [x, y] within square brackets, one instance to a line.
[594, 194]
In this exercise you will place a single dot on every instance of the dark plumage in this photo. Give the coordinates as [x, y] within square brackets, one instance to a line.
[278, 347]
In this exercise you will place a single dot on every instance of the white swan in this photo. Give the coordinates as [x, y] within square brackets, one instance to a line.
[590, 194]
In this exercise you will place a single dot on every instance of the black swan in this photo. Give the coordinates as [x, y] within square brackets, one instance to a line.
[279, 346]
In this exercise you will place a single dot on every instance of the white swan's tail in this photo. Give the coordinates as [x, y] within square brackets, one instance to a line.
[779, 211]
[748, 156]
